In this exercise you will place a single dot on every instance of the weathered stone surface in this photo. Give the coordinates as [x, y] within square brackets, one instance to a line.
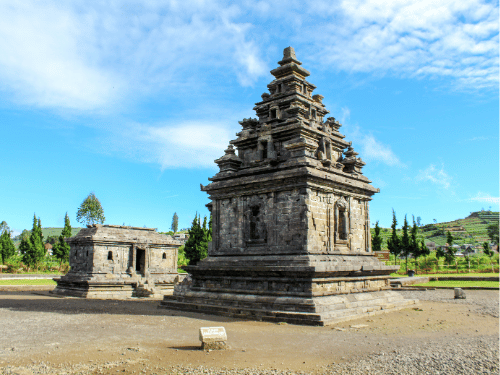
[214, 345]
[213, 338]
[111, 261]
[459, 293]
[290, 218]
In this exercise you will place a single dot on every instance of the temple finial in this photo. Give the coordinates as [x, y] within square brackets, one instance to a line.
[289, 57]
[289, 52]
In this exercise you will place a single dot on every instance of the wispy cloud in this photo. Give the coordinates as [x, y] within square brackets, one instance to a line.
[437, 176]
[411, 38]
[479, 138]
[182, 145]
[44, 60]
[370, 147]
[485, 198]
[89, 56]
[375, 150]
[93, 56]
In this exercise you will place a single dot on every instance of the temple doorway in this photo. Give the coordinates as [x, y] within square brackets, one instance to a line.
[140, 262]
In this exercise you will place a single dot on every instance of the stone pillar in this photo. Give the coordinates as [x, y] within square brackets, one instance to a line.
[134, 257]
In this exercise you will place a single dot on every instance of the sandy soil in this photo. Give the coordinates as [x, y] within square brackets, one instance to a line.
[134, 335]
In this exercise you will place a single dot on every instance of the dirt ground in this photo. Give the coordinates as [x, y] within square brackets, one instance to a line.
[134, 335]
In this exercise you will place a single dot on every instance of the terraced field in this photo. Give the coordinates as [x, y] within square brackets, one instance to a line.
[474, 229]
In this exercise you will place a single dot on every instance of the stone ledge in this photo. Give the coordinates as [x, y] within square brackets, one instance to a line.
[312, 311]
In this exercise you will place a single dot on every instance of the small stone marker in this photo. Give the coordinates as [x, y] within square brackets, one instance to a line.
[359, 326]
[213, 338]
[459, 293]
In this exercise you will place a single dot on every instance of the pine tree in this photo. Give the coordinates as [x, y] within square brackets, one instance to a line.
[414, 242]
[90, 211]
[61, 249]
[39, 230]
[450, 251]
[440, 253]
[25, 247]
[405, 242]
[175, 223]
[7, 248]
[394, 242]
[32, 247]
[424, 250]
[377, 239]
[66, 232]
[493, 232]
[414, 249]
[205, 239]
[486, 249]
[4, 226]
[196, 246]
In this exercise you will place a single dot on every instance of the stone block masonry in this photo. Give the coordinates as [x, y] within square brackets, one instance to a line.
[114, 262]
[290, 219]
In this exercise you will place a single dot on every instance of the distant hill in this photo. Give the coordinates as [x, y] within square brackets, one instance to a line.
[471, 230]
[47, 232]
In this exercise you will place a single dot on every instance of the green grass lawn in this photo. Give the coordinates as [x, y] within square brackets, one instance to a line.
[28, 282]
[461, 284]
[35, 273]
[473, 274]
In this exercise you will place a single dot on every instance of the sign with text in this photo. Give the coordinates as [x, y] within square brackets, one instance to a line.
[211, 334]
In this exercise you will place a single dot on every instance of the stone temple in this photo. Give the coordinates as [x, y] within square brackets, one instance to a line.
[291, 228]
[115, 262]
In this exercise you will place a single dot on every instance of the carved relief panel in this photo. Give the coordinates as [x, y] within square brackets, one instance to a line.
[342, 221]
[255, 231]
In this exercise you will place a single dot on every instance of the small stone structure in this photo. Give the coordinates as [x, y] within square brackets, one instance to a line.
[112, 261]
[213, 338]
[290, 219]
[459, 293]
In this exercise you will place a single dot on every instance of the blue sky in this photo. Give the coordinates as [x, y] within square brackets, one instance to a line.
[134, 100]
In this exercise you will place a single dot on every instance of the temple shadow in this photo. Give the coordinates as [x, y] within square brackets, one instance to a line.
[31, 301]
[189, 348]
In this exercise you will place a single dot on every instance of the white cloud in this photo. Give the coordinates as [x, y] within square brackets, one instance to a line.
[91, 56]
[437, 176]
[87, 56]
[42, 62]
[371, 148]
[411, 38]
[185, 145]
[375, 150]
[485, 198]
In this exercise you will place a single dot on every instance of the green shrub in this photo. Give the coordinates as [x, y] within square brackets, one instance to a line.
[181, 259]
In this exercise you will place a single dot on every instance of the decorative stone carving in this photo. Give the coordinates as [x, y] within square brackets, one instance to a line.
[290, 224]
[256, 232]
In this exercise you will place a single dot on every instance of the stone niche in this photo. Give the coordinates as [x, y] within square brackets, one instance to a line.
[290, 219]
[111, 261]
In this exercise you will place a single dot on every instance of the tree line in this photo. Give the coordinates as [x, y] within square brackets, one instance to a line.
[32, 247]
[409, 244]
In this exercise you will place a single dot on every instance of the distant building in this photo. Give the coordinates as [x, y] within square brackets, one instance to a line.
[181, 237]
[431, 245]
[48, 248]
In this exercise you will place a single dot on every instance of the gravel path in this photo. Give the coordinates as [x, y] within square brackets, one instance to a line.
[449, 351]
[480, 300]
[469, 356]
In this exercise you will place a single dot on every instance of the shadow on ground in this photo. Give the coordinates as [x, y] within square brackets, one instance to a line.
[43, 302]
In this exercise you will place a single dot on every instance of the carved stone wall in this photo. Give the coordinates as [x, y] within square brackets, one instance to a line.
[264, 223]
